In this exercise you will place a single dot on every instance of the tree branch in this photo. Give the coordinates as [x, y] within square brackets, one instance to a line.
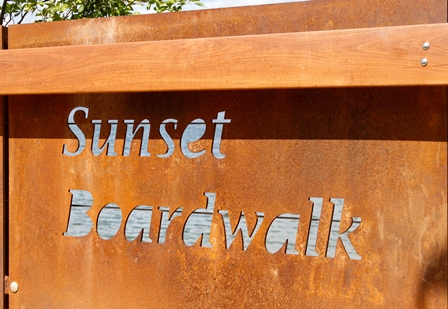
[2, 13]
[22, 17]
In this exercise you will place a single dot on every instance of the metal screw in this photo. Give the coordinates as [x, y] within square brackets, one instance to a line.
[424, 62]
[14, 287]
[425, 46]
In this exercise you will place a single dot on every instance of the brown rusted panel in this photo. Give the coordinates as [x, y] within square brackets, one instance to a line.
[383, 150]
[280, 18]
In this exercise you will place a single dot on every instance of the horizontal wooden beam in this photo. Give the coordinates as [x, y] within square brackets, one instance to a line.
[389, 56]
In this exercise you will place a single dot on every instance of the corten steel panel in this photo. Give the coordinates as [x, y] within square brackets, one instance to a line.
[384, 56]
[383, 150]
[280, 18]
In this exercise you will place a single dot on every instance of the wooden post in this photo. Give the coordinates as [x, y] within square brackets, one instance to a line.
[3, 180]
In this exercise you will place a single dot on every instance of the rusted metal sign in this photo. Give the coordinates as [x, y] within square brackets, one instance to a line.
[356, 188]
[288, 198]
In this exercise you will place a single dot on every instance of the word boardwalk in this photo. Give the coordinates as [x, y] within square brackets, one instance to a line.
[198, 225]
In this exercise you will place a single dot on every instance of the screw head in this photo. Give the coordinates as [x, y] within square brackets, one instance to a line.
[424, 62]
[14, 287]
[425, 46]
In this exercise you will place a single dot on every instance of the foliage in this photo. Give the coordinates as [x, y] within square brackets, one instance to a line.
[14, 11]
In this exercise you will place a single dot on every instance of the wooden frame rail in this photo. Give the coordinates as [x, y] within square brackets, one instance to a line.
[3, 182]
[386, 56]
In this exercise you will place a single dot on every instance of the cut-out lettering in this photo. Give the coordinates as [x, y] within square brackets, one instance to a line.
[167, 138]
[193, 132]
[110, 142]
[139, 223]
[79, 223]
[130, 133]
[165, 221]
[216, 148]
[314, 226]
[199, 223]
[109, 221]
[76, 131]
[334, 231]
[283, 230]
[240, 226]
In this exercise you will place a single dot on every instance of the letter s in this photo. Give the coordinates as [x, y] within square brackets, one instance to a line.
[76, 131]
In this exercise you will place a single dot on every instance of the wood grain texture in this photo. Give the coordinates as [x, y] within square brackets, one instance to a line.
[388, 56]
[3, 37]
[3, 183]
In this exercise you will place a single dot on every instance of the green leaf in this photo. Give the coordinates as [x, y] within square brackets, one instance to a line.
[50, 10]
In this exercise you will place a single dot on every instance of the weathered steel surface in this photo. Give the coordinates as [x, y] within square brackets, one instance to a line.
[381, 149]
[281, 18]
[388, 56]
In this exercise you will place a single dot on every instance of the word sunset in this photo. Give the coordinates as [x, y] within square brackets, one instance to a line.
[281, 233]
[191, 134]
